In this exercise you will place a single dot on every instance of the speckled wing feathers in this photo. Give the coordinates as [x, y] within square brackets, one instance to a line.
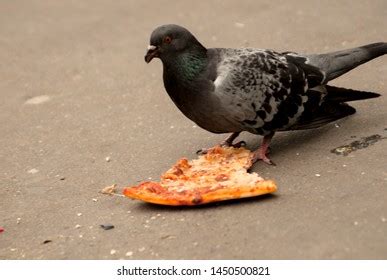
[264, 90]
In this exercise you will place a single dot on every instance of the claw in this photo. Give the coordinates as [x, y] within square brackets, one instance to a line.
[202, 151]
[239, 144]
[259, 155]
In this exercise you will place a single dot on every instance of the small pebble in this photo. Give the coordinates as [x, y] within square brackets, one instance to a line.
[77, 226]
[128, 211]
[33, 171]
[317, 175]
[13, 249]
[112, 252]
[129, 254]
[79, 214]
[107, 226]
[18, 220]
[336, 125]
[158, 215]
[107, 159]
[95, 200]
[81, 235]
[142, 249]
[355, 223]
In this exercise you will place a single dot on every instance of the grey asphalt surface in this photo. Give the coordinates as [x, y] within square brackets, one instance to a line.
[75, 89]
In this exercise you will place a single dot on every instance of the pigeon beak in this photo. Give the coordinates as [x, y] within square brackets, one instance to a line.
[152, 52]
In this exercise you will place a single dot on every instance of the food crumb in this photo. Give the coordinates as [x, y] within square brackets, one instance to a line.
[95, 200]
[79, 214]
[109, 189]
[317, 175]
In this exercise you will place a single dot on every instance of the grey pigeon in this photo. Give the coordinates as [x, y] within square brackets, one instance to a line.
[256, 90]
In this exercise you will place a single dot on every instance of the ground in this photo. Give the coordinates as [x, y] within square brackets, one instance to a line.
[81, 110]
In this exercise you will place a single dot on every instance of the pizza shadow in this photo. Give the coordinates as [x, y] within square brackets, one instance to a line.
[143, 206]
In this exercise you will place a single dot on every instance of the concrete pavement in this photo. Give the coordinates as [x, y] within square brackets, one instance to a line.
[75, 90]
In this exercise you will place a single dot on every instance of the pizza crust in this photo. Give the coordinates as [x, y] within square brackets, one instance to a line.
[219, 175]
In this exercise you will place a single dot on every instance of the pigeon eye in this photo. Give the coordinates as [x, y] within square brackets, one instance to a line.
[167, 40]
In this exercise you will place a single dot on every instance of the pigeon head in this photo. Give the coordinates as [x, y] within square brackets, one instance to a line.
[167, 41]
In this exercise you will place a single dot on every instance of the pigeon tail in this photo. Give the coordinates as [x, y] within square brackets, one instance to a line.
[338, 63]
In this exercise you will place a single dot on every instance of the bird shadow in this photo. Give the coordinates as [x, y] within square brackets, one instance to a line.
[150, 207]
[288, 141]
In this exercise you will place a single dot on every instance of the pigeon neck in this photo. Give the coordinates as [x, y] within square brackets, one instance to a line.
[188, 65]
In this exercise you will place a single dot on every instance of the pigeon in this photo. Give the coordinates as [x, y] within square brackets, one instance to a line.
[261, 91]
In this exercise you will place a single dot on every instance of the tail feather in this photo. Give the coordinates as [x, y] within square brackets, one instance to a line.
[337, 63]
[339, 94]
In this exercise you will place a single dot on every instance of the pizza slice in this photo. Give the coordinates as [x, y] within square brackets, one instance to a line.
[221, 174]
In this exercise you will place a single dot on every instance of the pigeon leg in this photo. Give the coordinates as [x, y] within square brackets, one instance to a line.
[262, 151]
[226, 143]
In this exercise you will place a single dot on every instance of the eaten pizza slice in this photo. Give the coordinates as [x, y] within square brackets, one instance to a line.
[220, 174]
